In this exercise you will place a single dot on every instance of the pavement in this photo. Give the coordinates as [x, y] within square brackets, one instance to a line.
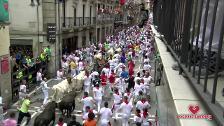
[37, 96]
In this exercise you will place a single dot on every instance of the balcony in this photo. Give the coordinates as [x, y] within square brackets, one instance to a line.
[105, 19]
[71, 22]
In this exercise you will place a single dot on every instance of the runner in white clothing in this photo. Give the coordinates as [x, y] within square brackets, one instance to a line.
[117, 101]
[44, 88]
[142, 104]
[97, 94]
[126, 109]
[87, 111]
[87, 82]
[105, 115]
[138, 118]
[87, 101]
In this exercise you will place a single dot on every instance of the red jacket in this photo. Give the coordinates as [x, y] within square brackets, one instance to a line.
[103, 79]
[112, 78]
[131, 67]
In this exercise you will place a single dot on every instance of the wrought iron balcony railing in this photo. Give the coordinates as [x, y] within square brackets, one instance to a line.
[69, 22]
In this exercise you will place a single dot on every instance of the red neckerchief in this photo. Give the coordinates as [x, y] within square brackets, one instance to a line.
[145, 114]
[143, 101]
[90, 111]
[97, 88]
[142, 81]
[117, 93]
[128, 93]
[84, 97]
[60, 123]
[126, 101]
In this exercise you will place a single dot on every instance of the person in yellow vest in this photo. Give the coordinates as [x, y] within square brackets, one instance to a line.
[23, 111]
[43, 57]
[29, 61]
[19, 74]
[47, 51]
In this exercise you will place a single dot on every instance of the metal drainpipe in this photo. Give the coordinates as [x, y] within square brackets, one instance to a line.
[56, 33]
[38, 30]
[59, 34]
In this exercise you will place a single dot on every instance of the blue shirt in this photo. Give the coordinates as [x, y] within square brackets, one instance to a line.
[123, 59]
[18, 56]
[124, 74]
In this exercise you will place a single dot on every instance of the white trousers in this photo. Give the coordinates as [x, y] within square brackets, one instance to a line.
[73, 72]
[115, 108]
[86, 88]
[98, 102]
[125, 118]
[45, 97]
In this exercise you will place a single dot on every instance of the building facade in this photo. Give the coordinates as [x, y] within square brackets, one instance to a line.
[77, 23]
[5, 72]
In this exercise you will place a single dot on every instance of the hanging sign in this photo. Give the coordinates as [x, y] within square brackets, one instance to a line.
[51, 32]
[4, 65]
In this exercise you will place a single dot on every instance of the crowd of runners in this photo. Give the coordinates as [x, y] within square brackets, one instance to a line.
[119, 79]
[119, 70]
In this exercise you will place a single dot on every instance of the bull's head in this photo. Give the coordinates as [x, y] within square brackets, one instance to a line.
[69, 79]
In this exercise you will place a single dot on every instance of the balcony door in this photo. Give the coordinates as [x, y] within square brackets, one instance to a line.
[75, 23]
[83, 13]
[90, 15]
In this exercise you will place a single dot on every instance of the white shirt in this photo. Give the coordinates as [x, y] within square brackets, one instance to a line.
[98, 93]
[76, 59]
[44, 86]
[39, 76]
[138, 88]
[111, 62]
[59, 74]
[137, 119]
[129, 95]
[142, 106]
[93, 74]
[22, 88]
[146, 60]
[64, 65]
[126, 108]
[117, 98]
[147, 80]
[87, 102]
[85, 115]
[87, 80]
[136, 79]
[81, 66]
[106, 71]
[65, 124]
[146, 67]
[116, 56]
[105, 114]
